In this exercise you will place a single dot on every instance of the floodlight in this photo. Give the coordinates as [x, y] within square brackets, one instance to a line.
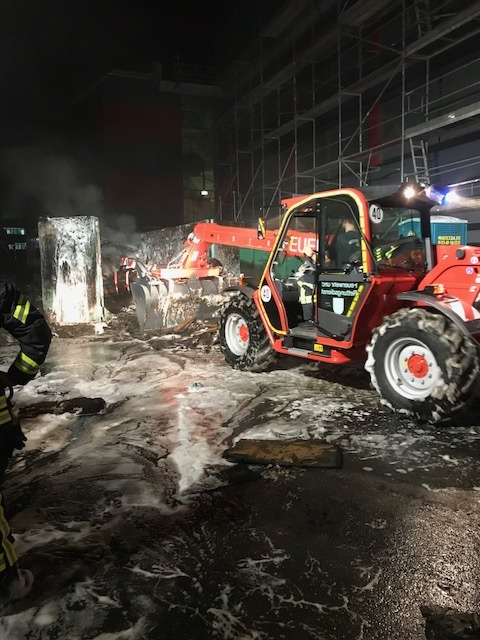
[409, 192]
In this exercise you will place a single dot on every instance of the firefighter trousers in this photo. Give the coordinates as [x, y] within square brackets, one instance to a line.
[8, 438]
[8, 552]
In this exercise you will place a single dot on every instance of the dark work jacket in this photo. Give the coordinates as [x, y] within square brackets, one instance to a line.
[346, 245]
[29, 327]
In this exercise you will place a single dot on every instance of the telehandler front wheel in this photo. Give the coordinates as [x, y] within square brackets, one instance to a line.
[422, 364]
[243, 339]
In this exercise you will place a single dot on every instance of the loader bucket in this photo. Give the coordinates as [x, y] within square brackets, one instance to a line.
[163, 305]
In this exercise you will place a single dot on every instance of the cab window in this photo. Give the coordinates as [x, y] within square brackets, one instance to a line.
[396, 237]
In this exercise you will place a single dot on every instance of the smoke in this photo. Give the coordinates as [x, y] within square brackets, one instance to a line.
[122, 241]
[39, 182]
[57, 184]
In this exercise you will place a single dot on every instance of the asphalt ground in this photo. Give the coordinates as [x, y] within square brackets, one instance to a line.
[247, 552]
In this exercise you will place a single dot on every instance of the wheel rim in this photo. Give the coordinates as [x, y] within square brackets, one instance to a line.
[411, 368]
[237, 335]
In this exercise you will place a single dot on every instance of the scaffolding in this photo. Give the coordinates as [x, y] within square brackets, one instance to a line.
[349, 93]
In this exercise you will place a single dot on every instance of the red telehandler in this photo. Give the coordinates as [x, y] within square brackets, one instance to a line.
[406, 300]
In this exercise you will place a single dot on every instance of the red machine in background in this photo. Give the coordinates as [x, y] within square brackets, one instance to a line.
[163, 296]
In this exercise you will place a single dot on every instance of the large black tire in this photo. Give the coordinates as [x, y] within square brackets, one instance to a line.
[213, 262]
[422, 365]
[243, 339]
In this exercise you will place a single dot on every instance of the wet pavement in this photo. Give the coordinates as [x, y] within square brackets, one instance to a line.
[321, 555]
[136, 527]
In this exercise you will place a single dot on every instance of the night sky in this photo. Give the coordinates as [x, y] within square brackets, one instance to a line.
[52, 50]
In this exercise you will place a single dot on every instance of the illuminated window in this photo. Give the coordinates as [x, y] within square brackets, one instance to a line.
[15, 231]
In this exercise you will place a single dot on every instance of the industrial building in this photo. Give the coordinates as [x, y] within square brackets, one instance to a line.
[344, 93]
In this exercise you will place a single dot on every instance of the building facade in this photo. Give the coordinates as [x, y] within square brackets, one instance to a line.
[336, 93]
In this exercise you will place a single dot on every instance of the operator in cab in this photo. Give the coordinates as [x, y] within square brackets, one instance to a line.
[345, 245]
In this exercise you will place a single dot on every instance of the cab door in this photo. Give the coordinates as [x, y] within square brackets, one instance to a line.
[342, 283]
[338, 287]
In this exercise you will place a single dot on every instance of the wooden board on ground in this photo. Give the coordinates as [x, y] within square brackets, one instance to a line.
[296, 453]
[82, 406]
[183, 326]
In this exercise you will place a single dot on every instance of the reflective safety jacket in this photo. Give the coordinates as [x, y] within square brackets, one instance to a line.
[29, 327]
[385, 252]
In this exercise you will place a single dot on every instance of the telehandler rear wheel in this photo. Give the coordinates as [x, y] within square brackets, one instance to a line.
[422, 364]
[243, 339]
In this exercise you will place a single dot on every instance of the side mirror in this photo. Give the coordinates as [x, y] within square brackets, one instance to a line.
[261, 233]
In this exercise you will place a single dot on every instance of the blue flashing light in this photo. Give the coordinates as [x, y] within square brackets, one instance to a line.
[441, 195]
[450, 197]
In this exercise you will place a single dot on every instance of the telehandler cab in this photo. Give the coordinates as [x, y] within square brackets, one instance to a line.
[406, 300]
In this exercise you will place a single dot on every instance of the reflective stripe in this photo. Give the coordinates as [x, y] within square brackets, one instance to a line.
[390, 252]
[7, 545]
[4, 411]
[22, 309]
[353, 304]
[5, 416]
[306, 296]
[385, 253]
[26, 364]
[3, 566]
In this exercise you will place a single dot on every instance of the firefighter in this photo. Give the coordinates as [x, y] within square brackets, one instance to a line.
[345, 246]
[29, 327]
[306, 283]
